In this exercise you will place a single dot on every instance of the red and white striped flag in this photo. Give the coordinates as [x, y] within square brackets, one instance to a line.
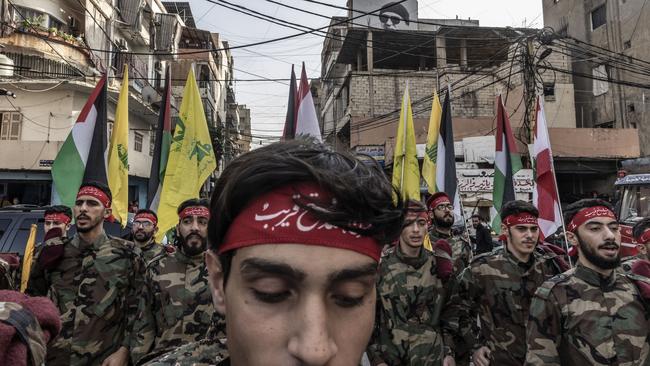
[545, 196]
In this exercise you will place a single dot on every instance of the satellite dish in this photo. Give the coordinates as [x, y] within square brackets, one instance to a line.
[150, 95]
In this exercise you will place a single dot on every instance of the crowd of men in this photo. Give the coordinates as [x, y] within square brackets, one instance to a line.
[302, 257]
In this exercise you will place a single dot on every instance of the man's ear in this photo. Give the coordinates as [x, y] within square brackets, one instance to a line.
[107, 212]
[504, 229]
[573, 239]
[215, 279]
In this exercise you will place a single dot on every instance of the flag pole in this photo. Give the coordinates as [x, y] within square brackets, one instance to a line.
[404, 116]
[557, 191]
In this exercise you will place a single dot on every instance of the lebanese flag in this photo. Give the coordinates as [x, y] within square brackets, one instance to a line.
[306, 119]
[507, 162]
[84, 153]
[545, 196]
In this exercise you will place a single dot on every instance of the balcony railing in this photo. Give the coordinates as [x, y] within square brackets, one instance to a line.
[138, 68]
[40, 67]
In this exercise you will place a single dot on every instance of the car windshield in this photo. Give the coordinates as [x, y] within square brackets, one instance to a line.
[635, 203]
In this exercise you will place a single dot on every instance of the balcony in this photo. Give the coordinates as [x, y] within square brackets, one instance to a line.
[138, 68]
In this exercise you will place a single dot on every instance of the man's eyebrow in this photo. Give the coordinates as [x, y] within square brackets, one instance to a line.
[347, 274]
[254, 266]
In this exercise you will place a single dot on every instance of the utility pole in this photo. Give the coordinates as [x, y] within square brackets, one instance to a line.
[530, 88]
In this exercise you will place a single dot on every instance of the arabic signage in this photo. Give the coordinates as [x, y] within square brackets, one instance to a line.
[482, 180]
[377, 152]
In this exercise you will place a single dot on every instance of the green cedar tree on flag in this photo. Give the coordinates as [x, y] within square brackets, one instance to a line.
[507, 162]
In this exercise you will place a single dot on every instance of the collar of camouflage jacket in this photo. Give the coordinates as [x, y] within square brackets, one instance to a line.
[183, 258]
[82, 245]
[525, 266]
[416, 262]
[594, 278]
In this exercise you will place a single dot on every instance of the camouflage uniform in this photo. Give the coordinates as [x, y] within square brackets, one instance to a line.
[151, 250]
[27, 329]
[627, 262]
[176, 307]
[581, 318]
[210, 351]
[96, 287]
[6, 282]
[498, 288]
[409, 301]
[461, 249]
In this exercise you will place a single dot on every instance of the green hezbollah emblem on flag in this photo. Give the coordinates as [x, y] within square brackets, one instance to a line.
[191, 158]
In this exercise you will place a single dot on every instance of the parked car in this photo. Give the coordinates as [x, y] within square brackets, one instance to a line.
[16, 221]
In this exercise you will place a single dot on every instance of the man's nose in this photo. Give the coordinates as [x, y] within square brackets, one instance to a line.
[312, 343]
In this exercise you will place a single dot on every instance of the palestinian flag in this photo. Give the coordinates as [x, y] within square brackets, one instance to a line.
[161, 148]
[292, 110]
[507, 162]
[446, 180]
[83, 156]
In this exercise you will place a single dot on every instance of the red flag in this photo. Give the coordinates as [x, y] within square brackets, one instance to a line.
[545, 196]
[306, 119]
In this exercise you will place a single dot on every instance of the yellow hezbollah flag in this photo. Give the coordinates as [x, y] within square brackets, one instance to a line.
[406, 171]
[191, 158]
[27, 258]
[431, 152]
[118, 155]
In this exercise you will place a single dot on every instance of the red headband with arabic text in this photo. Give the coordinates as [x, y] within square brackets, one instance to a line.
[96, 193]
[58, 217]
[276, 218]
[587, 214]
[644, 238]
[522, 218]
[200, 211]
[437, 200]
[146, 216]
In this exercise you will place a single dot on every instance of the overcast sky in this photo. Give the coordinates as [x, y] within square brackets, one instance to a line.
[268, 99]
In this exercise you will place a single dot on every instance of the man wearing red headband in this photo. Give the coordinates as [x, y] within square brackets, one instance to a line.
[176, 307]
[58, 216]
[295, 234]
[498, 287]
[591, 314]
[641, 233]
[407, 332]
[441, 213]
[143, 231]
[95, 281]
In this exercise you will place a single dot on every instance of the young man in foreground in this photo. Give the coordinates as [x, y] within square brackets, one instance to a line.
[295, 236]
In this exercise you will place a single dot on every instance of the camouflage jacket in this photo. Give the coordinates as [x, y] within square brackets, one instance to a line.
[27, 329]
[151, 250]
[461, 249]
[627, 262]
[409, 301]
[581, 318]
[95, 286]
[176, 307]
[210, 351]
[498, 288]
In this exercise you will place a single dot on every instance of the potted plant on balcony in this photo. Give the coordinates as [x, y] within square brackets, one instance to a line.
[52, 31]
[32, 24]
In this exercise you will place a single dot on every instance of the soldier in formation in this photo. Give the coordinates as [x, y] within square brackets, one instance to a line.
[441, 213]
[176, 306]
[410, 295]
[94, 280]
[592, 314]
[143, 230]
[641, 233]
[295, 234]
[499, 286]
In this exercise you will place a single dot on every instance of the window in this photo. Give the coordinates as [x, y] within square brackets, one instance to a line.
[549, 92]
[152, 143]
[138, 142]
[22, 234]
[600, 81]
[10, 125]
[4, 225]
[598, 17]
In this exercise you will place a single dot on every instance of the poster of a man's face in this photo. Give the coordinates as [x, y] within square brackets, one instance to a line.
[389, 15]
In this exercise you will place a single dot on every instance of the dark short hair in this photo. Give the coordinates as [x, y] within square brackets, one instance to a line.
[360, 187]
[572, 209]
[518, 207]
[146, 211]
[99, 185]
[193, 202]
[415, 206]
[640, 227]
[58, 209]
[477, 216]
